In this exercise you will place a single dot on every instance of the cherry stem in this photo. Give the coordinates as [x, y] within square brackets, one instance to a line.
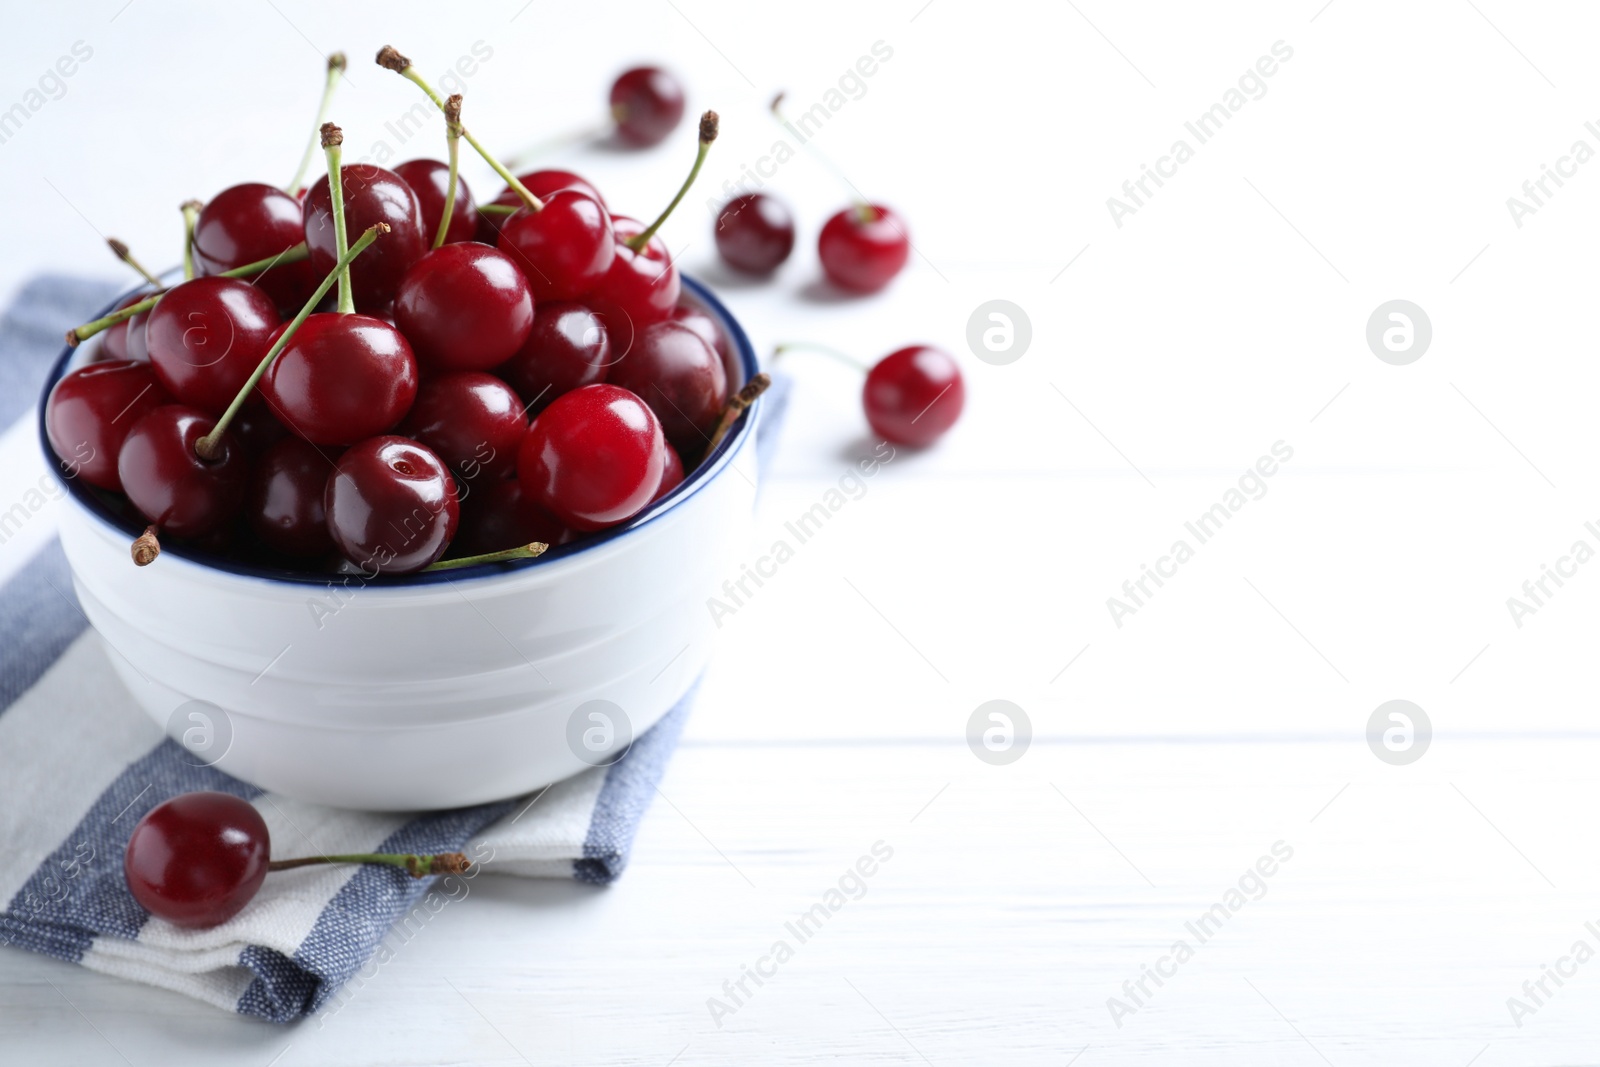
[121, 251]
[79, 334]
[811, 346]
[391, 59]
[499, 209]
[452, 133]
[865, 211]
[736, 405]
[332, 138]
[415, 865]
[207, 447]
[336, 65]
[146, 547]
[528, 551]
[191, 212]
[708, 134]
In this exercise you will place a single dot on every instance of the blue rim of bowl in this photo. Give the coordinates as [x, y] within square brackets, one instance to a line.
[709, 468]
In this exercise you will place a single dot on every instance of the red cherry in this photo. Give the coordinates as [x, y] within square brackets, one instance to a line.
[471, 420]
[114, 342]
[541, 183]
[701, 323]
[499, 515]
[564, 249]
[197, 859]
[371, 195]
[169, 483]
[913, 395]
[568, 347]
[860, 254]
[640, 287]
[682, 378]
[464, 307]
[134, 339]
[671, 473]
[342, 379]
[647, 104]
[284, 501]
[206, 338]
[90, 412]
[430, 180]
[755, 233]
[593, 458]
[392, 506]
[256, 427]
[251, 222]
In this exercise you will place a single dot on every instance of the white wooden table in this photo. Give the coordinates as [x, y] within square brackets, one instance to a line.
[1169, 754]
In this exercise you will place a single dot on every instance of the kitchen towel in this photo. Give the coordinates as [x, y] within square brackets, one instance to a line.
[80, 764]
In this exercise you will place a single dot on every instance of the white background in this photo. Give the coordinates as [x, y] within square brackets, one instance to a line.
[1227, 314]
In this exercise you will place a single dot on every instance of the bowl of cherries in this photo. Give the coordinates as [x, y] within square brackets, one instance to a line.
[424, 495]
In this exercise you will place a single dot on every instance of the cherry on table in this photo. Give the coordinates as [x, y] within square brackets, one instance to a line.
[341, 379]
[165, 478]
[471, 420]
[371, 195]
[913, 395]
[206, 338]
[464, 307]
[862, 248]
[90, 412]
[196, 860]
[392, 505]
[564, 248]
[284, 501]
[248, 223]
[672, 369]
[568, 347]
[430, 180]
[647, 104]
[755, 233]
[593, 458]
[500, 515]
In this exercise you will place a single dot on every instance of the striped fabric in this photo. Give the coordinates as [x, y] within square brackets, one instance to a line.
[80, 765]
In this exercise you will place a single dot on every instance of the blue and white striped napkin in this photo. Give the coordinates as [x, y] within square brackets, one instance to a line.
[80, 764]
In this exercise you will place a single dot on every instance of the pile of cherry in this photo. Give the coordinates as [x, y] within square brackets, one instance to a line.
[491, 379]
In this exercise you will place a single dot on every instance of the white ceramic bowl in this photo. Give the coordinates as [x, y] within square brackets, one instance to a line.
[430, 690]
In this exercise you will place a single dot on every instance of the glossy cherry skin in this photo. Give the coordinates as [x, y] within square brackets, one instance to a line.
[702, 324]
[284, 500]
[755, 233]
[134, 338]
[90, 412]
[170, 484]
[541, 183]
[640, 287]
[371, 195]
[251, 222]
[647, 104]
[342, 379]
[197, 859]
[593, 458]
[392, 506]
[430, 180]
[564, 249]
[913, 395]
[671, 473]
[114, 341]
[861, 255]
[464, 307]
[256, 427]
[471, 420]
[568, 347]
[499, 515]
[682, 378]
[206, 338]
